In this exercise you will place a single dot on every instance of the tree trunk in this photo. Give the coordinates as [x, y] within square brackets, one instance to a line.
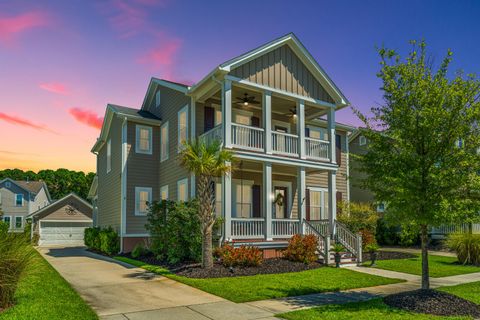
[425, 270]
[207, 254]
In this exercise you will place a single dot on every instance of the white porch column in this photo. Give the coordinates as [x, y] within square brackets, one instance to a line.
[267, 121]
[332, 200]
[301, 128]
[331, 133]
[193, 135]
[227, 205]
[267, 203]
[302, 206]
[227, 113]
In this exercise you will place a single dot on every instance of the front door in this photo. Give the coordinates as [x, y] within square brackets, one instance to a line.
[280, 202]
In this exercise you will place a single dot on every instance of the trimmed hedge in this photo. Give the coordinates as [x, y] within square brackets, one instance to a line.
[103, 240]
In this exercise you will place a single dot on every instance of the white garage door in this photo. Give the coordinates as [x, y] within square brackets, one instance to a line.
[62, 233]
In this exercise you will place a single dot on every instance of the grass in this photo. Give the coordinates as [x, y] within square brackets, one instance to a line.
[468, 291]
[44, 295]
[439, 266]
[267, 286]
[367, 310]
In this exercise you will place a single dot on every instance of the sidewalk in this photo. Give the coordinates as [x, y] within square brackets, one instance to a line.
[418, 251]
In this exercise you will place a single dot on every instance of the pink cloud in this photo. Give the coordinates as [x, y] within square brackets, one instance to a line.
[162, 57]
[15, 120]
[88, 117]
[12, 27]
[54, 87]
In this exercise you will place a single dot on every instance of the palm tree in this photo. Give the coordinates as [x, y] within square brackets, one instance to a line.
[207, 161]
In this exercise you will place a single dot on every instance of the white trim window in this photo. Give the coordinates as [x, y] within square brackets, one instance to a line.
[143, 141]
[182, 127]
[8, 221]
[109, 155]
[362, 140]
[318, 203]
[242, 198]
[18, 222]
[182, 190]
[143, 196]
[164, 192]
[157, 99]
[164, 142]
[18, 200]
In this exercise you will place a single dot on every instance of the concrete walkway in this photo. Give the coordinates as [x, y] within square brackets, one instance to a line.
[419, 251]
[413, 282]
[118, 291]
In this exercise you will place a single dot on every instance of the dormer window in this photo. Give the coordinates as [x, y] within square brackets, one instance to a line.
[157, 99]
[362, 140]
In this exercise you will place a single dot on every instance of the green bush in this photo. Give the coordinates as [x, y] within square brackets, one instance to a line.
[302, 248]
[3, 228]
[27, 229]
[139, 250]
[387, 234]
[467, 247]
[109, 241]
[15, 255]
[92, 238]
[357, 216]
[175, 231]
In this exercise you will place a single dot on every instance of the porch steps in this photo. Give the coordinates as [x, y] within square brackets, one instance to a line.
[347, 259]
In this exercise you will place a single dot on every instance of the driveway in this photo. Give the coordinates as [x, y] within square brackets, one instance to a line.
[119, 291]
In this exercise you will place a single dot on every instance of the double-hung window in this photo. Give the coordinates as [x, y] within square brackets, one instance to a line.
[143, 196]
[182, 127]
[19, 200]
[318, 204]
[182, 190]
[18, 222]
[7, 220]
[109, 155]
[164, 142]
[164, 192]
[143, 139]
[362, 140]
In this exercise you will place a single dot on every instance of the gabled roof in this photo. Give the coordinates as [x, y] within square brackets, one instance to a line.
[129, 113]
[59, 202]
[295, 44]
[33, 187]
[164, 83]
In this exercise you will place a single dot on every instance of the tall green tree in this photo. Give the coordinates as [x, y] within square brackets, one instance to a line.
[423, 152]
[206, 161]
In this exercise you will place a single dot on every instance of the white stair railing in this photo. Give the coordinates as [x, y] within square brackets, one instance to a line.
[321, 226]
[284, 143]
[247, 137]
[352, 242]
[323, 241]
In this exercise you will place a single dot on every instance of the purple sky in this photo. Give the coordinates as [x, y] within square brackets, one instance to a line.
[61, 62]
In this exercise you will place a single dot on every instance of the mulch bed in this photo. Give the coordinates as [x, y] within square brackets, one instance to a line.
[194, 270]
[433, 302]
[389, 255]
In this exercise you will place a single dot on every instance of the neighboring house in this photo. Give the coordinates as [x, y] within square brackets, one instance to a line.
[274, 107]
[63, 222]
[18, 199]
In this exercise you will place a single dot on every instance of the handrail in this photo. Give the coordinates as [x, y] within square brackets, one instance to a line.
[286, 134]
[246, 126]
[317, 140]
[352, 242]
[323, 241]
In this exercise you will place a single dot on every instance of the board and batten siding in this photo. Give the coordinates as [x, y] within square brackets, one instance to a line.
[282, 69]
[142, 171]
[109, 184]
[170, 170]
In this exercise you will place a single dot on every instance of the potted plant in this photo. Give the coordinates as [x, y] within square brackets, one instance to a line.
[372, 248]
[338, 249]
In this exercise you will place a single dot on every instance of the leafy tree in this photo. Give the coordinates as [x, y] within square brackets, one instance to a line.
[423, 158]
[206, 161]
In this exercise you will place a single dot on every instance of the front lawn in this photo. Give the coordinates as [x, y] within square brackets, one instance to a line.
[468, 291]
[267, 286]
[439, 266]
[44, 294]
[367, 310]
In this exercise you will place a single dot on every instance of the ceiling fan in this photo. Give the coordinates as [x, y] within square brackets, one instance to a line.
[246, 100]
[292, 112]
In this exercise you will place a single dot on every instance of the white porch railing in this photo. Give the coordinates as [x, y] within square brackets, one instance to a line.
[284, 143]
[321, 226]
[462, 228]
[248, 228]
[214, 134]
[317, 149]
[282, 228]
[247, 137]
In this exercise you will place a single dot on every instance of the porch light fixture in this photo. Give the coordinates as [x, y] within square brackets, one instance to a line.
[245, 103]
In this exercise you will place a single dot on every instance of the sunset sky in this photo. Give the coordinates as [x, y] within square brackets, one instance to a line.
[62, 61]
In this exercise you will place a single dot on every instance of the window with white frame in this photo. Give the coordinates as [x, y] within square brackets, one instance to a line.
[242, 199]
[143, 139]
[7, 220]
[164, 142]
[157, 99]
[19, 200]
[182, 126]
[318, 204]
[109, 155]
[218, 199]
[143, 196]
[182, 190]
[381, 207]
[362, 140]
[164, 193]
[18, 222]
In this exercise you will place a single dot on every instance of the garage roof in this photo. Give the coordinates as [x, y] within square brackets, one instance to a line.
[75, 202]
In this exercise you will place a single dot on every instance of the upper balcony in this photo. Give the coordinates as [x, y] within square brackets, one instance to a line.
[259, 122]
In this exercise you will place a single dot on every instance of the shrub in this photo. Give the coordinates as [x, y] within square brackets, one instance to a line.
[3, 228]
[175, 229]
[109, 241]
[92, 238]
[371, 248]
[301, 248]
[35, 239]
[244, 256]
[139, 250]
[27, 229]
[15, 255]
[358, 216]
[467, 247]
[387, 234]
[367, 237]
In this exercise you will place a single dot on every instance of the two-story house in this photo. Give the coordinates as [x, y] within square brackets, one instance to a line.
[274, 107]
[18, 199]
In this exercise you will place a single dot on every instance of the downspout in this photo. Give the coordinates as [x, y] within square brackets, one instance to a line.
[123, 184]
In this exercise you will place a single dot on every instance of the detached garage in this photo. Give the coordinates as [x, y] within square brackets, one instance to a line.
[63, 222]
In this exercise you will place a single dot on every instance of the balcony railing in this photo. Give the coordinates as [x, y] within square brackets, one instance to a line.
[248, 228]
[284, 143]
[214, 134]
[285, 228]
[247, 137]
[317, 149]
